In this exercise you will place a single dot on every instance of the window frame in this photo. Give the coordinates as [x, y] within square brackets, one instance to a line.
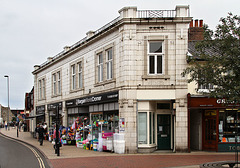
[77, 75]
[73, 77]
[56, 83]
[80, 74]
[155, 55]
[109, 63]
[100, 71]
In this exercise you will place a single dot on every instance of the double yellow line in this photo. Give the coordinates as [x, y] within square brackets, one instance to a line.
[40, 161]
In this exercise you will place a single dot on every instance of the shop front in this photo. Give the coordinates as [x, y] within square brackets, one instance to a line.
[52, 114]
[94, 114]
[213, 124]
[155, 125]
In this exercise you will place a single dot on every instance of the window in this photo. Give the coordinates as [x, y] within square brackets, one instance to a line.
[109, 64]
[76, 76]
[59, 82]
[228, 121]
[155, 58]
[73, 77]
[100, 67]
[142, 128]
[56, 83]
[41, 89]
[80, 78]
[203, 84]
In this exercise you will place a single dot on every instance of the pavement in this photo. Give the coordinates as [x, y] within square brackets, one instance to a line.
[80, 158]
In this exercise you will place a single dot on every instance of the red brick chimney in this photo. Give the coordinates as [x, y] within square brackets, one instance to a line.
[195, 33]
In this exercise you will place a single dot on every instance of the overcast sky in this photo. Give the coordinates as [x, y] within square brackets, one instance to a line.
[32, 30]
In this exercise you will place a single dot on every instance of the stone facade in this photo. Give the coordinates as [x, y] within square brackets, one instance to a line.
[128, 37]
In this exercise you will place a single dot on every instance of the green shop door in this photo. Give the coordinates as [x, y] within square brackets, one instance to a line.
[164, 132]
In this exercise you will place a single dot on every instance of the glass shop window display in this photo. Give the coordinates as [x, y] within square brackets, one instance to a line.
[229, 125]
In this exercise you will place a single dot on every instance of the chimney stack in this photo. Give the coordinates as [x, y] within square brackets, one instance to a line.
[195, 33]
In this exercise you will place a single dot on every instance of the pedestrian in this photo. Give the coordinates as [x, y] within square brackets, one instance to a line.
[41, 136]
[36, 131]
[6, 124]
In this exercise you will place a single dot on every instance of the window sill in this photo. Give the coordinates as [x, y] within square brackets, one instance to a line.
[105, 82]
[146, 145]
[156, 77]
[76, 90]
[204, 90]
[56, 95]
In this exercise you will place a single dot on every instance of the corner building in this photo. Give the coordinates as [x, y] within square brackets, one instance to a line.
[129, 70]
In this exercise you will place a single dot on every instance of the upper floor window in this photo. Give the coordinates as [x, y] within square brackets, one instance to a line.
[155, 58]
[56, 83]
[41, 89]
[59, 82]
[100, 67]
[104, 64]
[76, 75]
[109, 63]
[73, 81]
[203, 84]
[80, 75]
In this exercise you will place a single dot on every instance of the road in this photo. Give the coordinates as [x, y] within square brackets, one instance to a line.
[20, 155]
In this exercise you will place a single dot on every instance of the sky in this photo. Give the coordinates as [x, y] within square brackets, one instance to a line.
[33, 30]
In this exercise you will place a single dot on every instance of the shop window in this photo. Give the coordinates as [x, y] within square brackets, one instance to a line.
[142, 128]
[228, 124]
[155, 58]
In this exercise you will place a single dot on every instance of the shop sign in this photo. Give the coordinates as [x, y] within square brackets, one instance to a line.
[107, 97]
[228, 147]
[54, 106]
[40, 110]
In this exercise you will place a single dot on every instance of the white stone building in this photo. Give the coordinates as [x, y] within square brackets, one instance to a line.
[128, 70]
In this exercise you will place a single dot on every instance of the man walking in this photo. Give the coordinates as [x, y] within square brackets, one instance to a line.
[40, 134]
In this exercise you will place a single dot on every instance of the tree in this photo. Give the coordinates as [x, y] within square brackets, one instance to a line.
[216, 60]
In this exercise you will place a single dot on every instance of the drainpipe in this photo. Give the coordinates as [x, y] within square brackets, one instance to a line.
[137, 125]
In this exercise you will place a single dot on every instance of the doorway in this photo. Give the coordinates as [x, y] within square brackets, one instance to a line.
[210, 130]
[164, 131]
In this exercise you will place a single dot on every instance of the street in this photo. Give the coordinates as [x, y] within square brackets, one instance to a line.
[18, 155]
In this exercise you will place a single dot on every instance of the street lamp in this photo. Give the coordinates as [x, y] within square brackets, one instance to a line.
[6, 76]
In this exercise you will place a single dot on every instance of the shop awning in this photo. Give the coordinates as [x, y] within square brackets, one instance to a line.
[31, 117]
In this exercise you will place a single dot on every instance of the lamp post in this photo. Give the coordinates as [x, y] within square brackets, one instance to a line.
[6, 76]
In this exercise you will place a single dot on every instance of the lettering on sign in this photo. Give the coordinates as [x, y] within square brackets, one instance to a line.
[88, 100]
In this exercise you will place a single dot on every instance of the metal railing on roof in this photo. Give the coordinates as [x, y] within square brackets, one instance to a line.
[156, 13]
[140, 14]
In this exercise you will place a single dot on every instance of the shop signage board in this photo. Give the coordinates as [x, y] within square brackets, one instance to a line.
[228, 147]
[40, 110]
[54, 106]
[206, 102]
[100, 98]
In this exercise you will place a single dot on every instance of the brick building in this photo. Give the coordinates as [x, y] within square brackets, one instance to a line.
[126, 76]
